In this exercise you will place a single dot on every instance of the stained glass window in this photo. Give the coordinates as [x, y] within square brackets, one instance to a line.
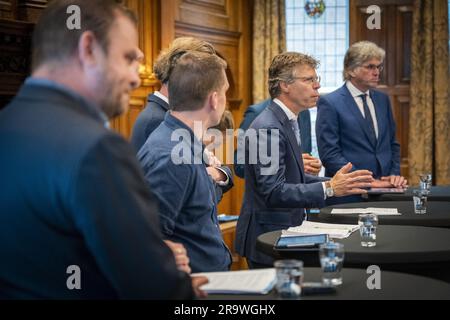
[321, 29]
[323, 35]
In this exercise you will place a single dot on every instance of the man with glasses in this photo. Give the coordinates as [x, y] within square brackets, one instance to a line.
[275, 196]
[355, 123]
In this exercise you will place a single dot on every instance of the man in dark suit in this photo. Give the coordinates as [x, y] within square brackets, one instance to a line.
[174, 163]
[277, 191]
[77, 220]
[355, 122]
[158, 104]
[312, 165]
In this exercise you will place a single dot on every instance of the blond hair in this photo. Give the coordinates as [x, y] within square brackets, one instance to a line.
[168, 57]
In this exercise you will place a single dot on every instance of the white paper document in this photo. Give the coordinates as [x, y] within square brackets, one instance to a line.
[377, 211]
[338, 231]
[239, 282]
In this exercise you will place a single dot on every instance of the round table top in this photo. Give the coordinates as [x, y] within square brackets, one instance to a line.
[438, 193]
[394, 285]
[400, 245]
[438, 214]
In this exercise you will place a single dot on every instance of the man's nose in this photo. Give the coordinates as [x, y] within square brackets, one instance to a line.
[135, 80]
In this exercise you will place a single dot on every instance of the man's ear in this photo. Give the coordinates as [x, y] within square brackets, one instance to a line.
[284, 86]
[88, 49]
[352, 73]
[213, 99]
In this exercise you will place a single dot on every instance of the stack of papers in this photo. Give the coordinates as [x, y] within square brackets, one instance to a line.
[377, 211]
[259, 281]
[338, 231]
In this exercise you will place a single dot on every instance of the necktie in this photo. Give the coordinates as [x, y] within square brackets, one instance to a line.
[296, 129]
[368, 117]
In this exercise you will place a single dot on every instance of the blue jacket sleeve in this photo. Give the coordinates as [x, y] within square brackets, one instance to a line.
[395, 146]
[249, 115]
[328, 140]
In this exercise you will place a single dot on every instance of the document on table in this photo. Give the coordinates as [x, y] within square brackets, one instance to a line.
[259, 281]
[338, 231]
[377, 211]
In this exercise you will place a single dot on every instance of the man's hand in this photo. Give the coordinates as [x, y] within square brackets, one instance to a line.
[197, 282]
[180, 254]
[395, 181]
[346, 183]
[312, 165]
[216, 174]
[212, 159]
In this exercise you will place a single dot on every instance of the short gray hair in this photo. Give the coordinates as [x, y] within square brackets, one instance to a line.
[359, 53]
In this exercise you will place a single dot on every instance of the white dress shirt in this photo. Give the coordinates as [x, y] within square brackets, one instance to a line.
[355, 92]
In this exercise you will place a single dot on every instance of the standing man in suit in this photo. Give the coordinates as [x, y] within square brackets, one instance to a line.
[77, 220]
[158, 105]
[312, 165]
[173, 160]
[275, 197]
[355, 123]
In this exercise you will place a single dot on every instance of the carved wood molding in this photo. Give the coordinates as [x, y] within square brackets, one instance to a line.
[222, 36]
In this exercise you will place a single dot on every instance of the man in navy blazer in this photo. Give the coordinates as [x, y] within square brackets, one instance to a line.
[355, 123]
[312, 165]
[175, 167]
[77, 220]
[277, 191]
[158, 105]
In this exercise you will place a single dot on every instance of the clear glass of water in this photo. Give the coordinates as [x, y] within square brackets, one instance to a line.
[331, 256]
[368, 223]
[289, 278]
[425, 181]
[420, 201]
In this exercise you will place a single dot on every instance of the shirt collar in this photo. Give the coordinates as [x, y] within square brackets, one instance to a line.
[354, 91]
[289, 113]
[57, 86]
[161, 96]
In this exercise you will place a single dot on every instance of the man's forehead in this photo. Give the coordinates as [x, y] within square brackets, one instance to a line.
[304, 69]
[373, 61]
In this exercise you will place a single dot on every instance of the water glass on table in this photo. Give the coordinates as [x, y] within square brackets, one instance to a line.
[331, 256]
[289, 275]
[368, 223]
[425, 182]
[420, 201]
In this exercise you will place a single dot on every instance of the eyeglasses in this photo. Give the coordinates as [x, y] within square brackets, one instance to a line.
[308, 80]
[372, 67]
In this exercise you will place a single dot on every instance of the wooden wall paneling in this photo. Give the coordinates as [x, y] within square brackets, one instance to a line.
[15, 58]
[8, 9]
[30, 10]
[147, 12]
[211, 13]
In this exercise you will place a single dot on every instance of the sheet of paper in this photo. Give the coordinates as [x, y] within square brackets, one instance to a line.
[338, 231]
[377, 211]
[259, 281]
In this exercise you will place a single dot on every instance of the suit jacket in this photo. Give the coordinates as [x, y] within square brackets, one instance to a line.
[149, 119]
[304, 122]
[274, 201]
[72, 193]
[342, 135]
